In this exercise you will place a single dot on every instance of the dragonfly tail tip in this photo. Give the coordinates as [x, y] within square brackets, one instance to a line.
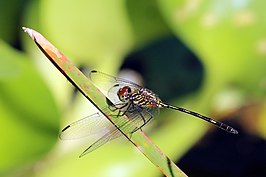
[234, 131]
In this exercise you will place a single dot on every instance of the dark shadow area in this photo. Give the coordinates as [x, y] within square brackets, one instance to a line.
[220, 154]
[168, 68]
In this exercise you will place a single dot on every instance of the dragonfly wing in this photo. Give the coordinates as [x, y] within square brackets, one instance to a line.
[105, 81]
[141, 116]
[97, 129]
[110, 85]
[92, 126]
[128, 126]
[115, 133]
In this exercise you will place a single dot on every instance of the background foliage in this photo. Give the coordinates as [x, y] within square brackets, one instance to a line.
[208, 56]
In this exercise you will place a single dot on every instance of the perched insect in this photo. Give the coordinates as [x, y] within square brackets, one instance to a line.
[137, 103]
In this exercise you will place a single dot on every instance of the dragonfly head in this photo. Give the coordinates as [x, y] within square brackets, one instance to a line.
[124, 93]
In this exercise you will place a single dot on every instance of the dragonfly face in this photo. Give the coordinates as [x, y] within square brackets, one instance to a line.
[124, 94]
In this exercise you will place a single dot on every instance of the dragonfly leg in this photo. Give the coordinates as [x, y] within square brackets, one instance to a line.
[143, 118]
[128, 110]
[118, 107]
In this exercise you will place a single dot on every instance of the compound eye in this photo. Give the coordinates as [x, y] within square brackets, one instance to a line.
[128, 90]
[122, 92]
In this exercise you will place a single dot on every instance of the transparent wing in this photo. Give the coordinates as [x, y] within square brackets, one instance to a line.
[140, 116]
[135, 121]
[104, 139]
[105, 81]
[94, 125]
[99, 130]
[110, 85]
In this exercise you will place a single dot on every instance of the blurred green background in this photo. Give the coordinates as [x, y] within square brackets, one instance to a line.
[208, 56]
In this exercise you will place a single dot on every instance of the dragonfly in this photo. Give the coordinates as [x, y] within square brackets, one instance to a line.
[131, 104]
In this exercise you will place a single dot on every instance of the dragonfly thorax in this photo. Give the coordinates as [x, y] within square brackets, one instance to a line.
[141, 97]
